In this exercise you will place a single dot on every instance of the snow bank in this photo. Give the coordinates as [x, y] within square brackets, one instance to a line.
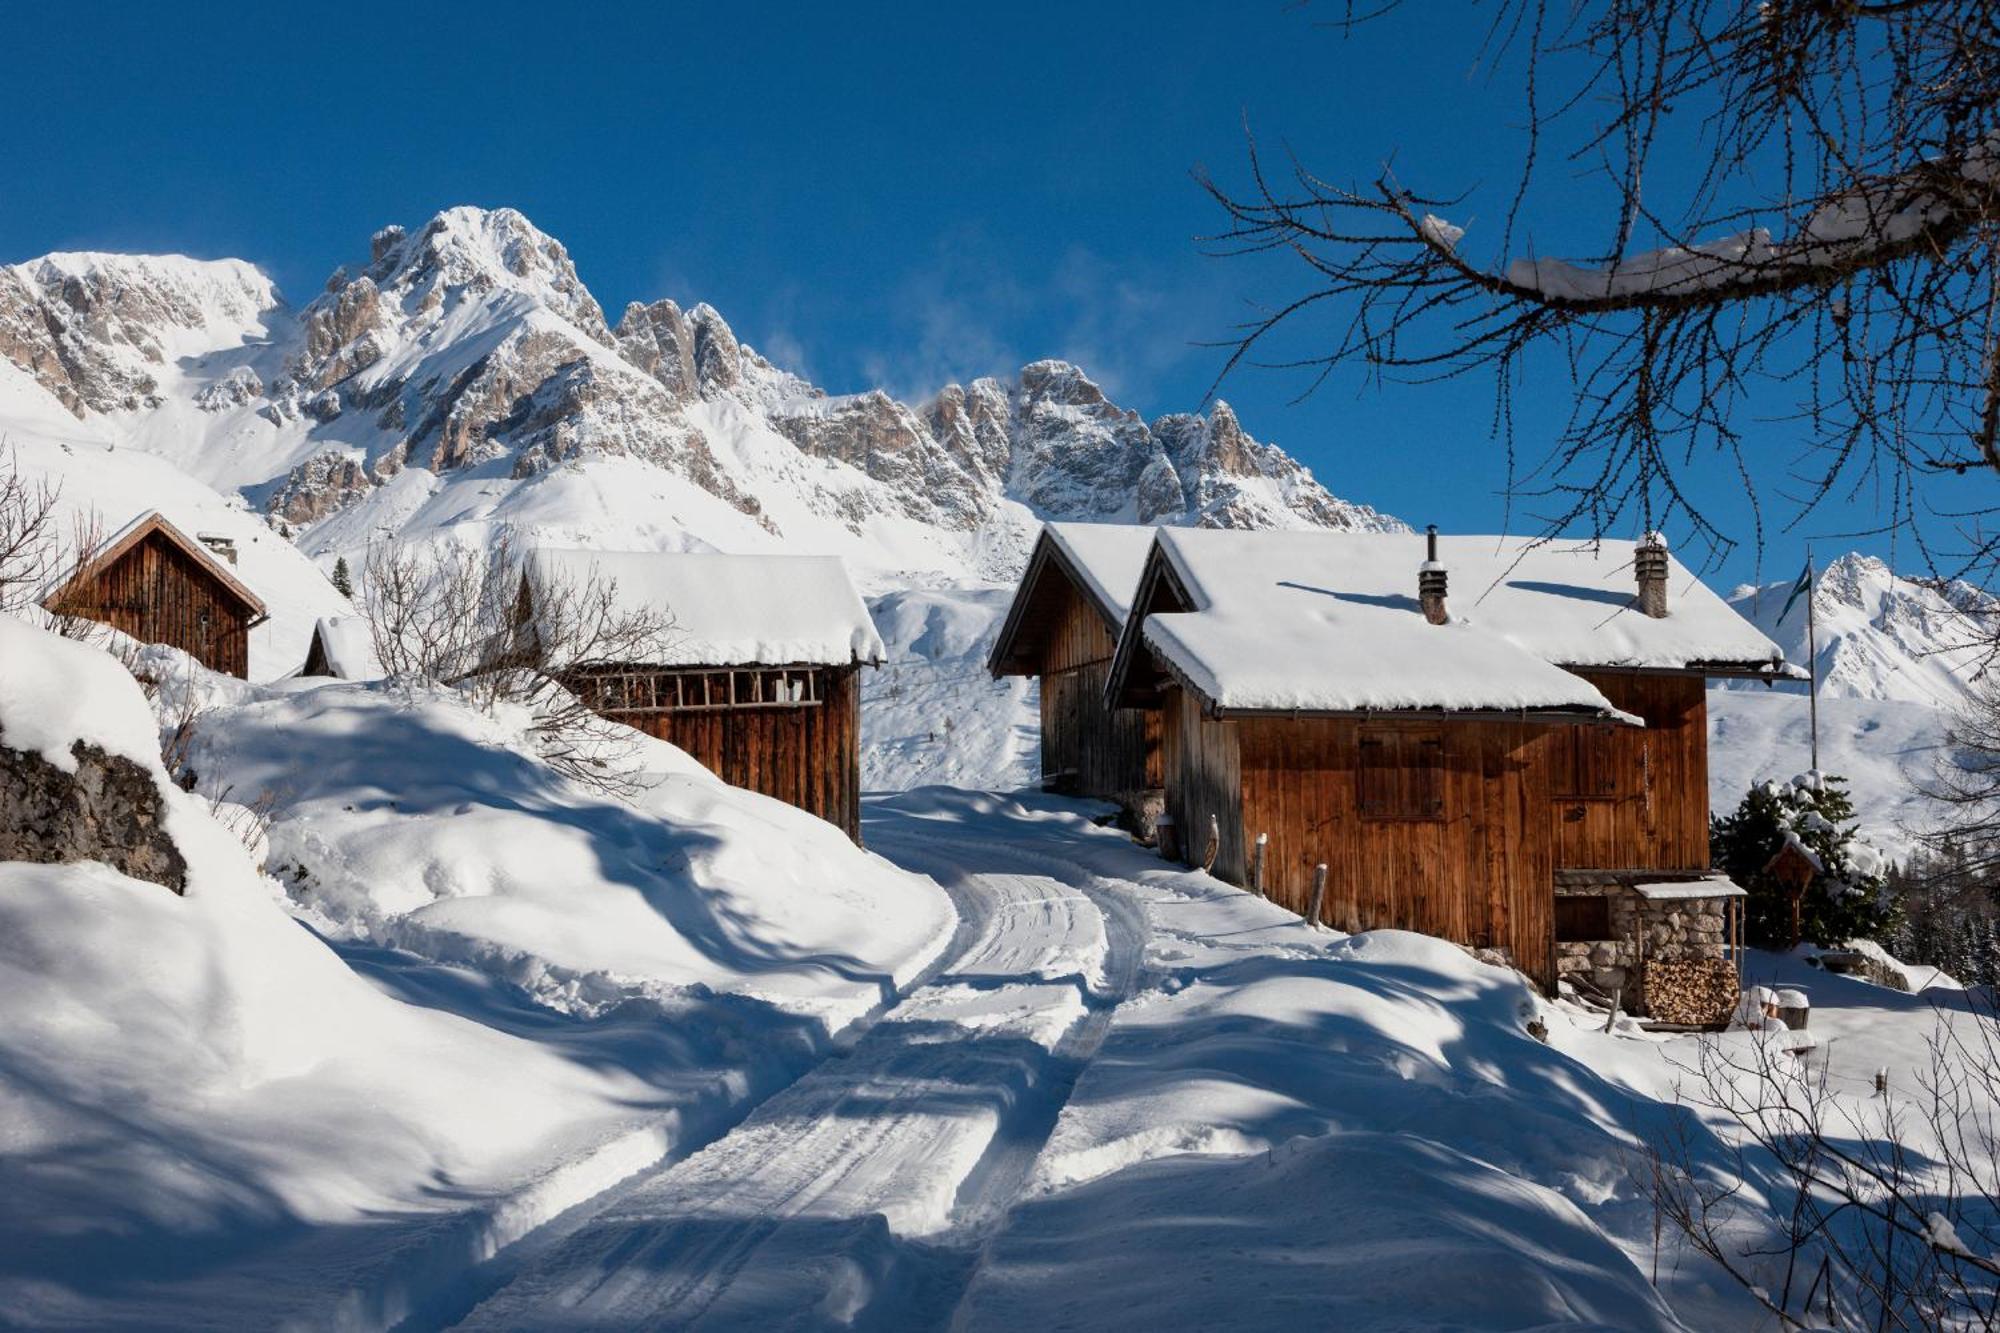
[55, 693]
[931, 714]
[423, 824]
[192, 1079]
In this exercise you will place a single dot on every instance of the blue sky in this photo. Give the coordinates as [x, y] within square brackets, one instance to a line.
[897, 194]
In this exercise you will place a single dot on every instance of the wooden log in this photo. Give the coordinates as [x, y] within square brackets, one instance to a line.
[1318, 893]
[1214, 846]
[1257, 864]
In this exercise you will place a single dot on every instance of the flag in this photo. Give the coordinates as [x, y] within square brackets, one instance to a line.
[1804, 585]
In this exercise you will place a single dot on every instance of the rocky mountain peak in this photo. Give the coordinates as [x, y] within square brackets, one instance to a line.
[468, 253]
[469, 351]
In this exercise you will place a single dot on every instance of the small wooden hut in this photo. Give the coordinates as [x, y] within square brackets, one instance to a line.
[343, 648]
[1325, 702]
[156, 584]
[1062, 628]
[757, 676]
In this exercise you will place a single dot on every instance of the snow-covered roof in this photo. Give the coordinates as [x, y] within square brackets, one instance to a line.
[1109, 557]
[112, 549]
[1102, 561]
[731, 610]
[1330, 622]
[348, 646]
[1708, 886]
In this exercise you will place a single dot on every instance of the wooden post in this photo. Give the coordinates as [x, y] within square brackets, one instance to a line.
[1318, 893]
[1617, 998]
[1214, 847]
[1257, 864]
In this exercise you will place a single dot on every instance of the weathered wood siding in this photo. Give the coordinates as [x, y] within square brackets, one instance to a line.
[1627, 798]
[1105, 750]
[1477, 871]
[157, 593]
[1473, 863]
[808, 757]
[1204, 778]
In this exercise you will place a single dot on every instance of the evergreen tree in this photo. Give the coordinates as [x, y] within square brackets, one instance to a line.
[1848, 899]
[343, 583]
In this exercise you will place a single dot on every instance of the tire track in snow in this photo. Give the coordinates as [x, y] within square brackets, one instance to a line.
[927, 1128]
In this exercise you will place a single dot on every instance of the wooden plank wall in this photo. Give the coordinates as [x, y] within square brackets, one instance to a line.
[1199, 756]
[807, 757]
[1656, 816]
[157, 594]
[1480, 874]
[1108, 750]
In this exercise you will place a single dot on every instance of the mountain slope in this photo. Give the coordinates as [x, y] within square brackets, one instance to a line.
[1881, 636]
[465, 380]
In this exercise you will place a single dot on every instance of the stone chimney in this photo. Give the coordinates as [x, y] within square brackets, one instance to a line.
[221, 545]
[1431, 580]
[1649, 563]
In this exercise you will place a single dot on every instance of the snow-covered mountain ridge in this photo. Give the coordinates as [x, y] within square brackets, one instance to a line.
[1881, 635]
[464, 378]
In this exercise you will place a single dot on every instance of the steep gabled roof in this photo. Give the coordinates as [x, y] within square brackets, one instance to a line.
[120, 543]
[731, 610]
[1101, 561]
[345, 645]
[1330, 622]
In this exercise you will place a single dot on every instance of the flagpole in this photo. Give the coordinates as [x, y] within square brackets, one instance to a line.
[1812, 659]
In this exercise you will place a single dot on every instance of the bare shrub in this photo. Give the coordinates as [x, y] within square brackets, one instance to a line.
[1839, 1206]
[500, 632]
[29, 550]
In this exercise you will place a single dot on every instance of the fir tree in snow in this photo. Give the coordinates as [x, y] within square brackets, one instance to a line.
[1848, 899]
[343, 582]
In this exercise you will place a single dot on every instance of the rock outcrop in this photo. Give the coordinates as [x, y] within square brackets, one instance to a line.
[109, 810]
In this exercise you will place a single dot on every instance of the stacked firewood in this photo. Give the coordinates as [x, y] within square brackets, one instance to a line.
[1691, 991]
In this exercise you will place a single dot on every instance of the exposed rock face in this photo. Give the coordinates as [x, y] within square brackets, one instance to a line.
[658, 340]
[94, 330]
[109, 810]
[322, 485]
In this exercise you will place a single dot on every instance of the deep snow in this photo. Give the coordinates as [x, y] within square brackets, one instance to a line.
[205, 1107]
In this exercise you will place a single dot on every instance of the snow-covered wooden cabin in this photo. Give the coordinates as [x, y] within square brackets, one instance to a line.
[342, 647]
[1445, 735]
[1062, 628]
[155, 583]
[756, 675]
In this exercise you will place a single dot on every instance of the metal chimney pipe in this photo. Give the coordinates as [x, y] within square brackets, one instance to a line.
[1431, 580]
[1649, 565]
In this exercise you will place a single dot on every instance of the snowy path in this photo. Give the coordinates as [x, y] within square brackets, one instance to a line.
[859, 1195]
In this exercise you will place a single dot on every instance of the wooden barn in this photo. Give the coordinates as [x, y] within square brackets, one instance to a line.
[155, 583]
[1062, 628]
[758, 676]
[1327, 700]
